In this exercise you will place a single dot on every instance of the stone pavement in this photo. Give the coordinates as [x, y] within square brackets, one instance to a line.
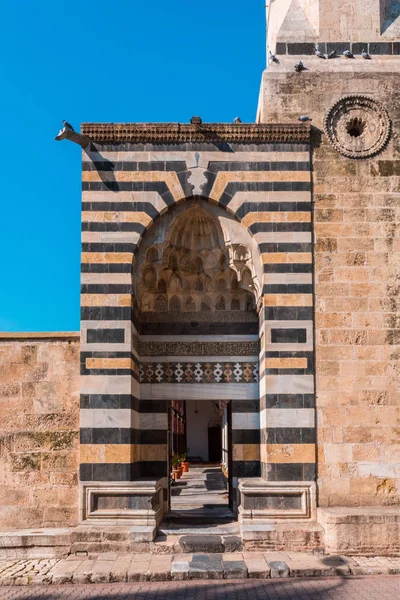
[112, 567]
[333, 588]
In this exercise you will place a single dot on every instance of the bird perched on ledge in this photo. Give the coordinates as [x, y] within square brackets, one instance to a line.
[319, 53]
[237, 120]
[348, 54]
[298, 67]
[332, 54]
[304, 118]
[365, 54]
[68, 125]
[272, 57]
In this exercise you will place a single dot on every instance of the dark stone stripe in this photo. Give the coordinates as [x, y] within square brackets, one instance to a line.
[107, 165]
[199, 328]
[245, 406]
[109, 472]
[106, 288]
[153, 406]
[105, 336]
[153, 469]
[107, 313]
[130, 186]
[264, 186]
[287, 401]
[133, 206]
[216, 166]
[308, 354]
[245, 436]
[307, 48]
[246, 468]
[108, 247]
[113, 226]
[108, 401]
[107, 354]
[126, 435]
[290, 471]
[288, 268]
[153, 436]
[285, 247]
[287, 288]
[288, 336]
[282, 227]
[106, 268]
[111, 435]
[288, 313]
[289, 435]
[255, 207]
[85, 371]
[210, 180]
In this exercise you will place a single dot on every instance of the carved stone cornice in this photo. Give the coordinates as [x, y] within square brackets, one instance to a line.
[166, 133]
[239, 348]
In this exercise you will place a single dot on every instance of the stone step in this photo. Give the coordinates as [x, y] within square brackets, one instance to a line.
[35, 543]
[197, 529]
[302, 536]
[200, 515]
[192, 544]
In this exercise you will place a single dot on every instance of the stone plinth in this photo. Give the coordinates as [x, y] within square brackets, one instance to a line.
[132, 502]
[262, 500]
[361, 530]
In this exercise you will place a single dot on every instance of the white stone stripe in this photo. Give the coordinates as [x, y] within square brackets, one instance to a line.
[245, 420]
[106, 278]
[240, 197]
[201, 359]
[153, 198]
[106, 417]
[287, 384]
[193, 391]
[109, 384]
[283, 237]
[287, 278]
[148, 421]
[202, 159]
[287, 417]
[130, 237]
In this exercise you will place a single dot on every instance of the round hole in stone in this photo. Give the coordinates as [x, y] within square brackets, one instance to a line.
[355, 127]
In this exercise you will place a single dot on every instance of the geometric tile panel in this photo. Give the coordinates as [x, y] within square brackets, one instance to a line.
[196, 372]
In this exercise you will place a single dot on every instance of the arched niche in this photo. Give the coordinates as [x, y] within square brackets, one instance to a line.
[197, 260]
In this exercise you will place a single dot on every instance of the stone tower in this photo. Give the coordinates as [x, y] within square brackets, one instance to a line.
[355, 160]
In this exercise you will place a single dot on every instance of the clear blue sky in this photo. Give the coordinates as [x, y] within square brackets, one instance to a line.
[127, 60]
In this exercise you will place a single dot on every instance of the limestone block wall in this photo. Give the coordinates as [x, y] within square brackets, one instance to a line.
[356, 210]
[39, 435]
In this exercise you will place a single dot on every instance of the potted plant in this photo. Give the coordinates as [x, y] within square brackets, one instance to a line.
[185, 462]
[176, 470]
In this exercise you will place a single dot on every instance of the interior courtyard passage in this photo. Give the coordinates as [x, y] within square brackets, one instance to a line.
[203, 488]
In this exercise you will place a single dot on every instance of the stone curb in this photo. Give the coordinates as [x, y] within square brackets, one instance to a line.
[112, 568]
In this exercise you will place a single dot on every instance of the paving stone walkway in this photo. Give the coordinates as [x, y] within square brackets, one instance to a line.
[119, 568]
[333, 588]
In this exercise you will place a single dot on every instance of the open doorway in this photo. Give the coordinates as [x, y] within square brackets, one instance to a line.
[199, 432]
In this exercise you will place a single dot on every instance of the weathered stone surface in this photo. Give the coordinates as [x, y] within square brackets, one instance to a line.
[278, 569]
[201, 543]
[39, 412]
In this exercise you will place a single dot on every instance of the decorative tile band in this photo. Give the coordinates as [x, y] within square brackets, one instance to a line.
[181, 372]
[199, 348]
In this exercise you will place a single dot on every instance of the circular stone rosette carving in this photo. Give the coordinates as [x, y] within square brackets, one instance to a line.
[357, 126]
